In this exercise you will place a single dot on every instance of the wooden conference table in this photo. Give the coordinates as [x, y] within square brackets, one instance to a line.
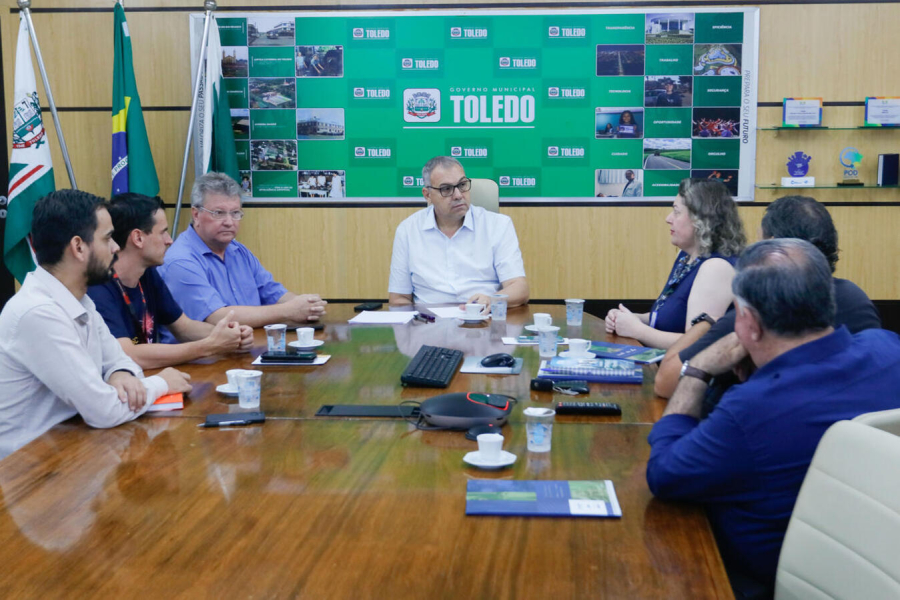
[337, 508]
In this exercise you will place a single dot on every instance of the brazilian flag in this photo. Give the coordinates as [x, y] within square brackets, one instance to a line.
[132, 163]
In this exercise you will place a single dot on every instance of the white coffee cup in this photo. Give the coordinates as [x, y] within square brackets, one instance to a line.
[474, 310]
[579, 346]
[489, 446]
[305, 335]
[542, 320]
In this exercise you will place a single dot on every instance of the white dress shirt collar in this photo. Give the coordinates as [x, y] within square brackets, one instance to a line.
[430, 221]
[435, 268]
[55, 288]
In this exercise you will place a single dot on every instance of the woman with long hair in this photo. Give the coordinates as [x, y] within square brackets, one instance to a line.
[628, 127]
[705, 226]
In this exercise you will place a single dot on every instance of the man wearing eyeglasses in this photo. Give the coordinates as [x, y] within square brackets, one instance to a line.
[451, 251]
[211, 274]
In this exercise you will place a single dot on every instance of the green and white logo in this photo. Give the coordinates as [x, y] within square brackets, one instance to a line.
[523, 181]
[28, 128]
[422, 106]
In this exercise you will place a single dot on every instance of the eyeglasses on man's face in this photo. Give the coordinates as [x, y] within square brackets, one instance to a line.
[446, 190]
[219, 215]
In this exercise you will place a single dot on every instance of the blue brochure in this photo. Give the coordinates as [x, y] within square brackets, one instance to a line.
[638, 354]
[542, 498]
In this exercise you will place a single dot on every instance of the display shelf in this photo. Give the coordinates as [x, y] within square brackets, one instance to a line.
[823, 128]
[826, 187]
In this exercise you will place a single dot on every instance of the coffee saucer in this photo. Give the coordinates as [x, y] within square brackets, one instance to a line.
[478, 319]
[570, 354]
[227, 389]
[475, 459]
[300, 346]
[533, 328]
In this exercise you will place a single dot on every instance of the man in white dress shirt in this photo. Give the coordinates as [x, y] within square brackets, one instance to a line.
[453, 252]
[57, 357]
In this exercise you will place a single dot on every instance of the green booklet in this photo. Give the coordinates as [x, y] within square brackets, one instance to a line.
[638, 354]
[532, 339]
[542, 498]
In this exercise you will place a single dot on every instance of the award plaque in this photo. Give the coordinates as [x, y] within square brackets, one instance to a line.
[882, 111]
[798, 167]
[850, 159]
[801, 112]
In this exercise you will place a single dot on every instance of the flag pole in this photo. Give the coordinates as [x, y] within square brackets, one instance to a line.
[210, 6]
[25, 7]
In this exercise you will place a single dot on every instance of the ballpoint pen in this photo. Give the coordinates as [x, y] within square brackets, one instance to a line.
[227, 423]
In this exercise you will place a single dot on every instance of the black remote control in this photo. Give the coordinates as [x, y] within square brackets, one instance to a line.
[588, 408]
[367, 306]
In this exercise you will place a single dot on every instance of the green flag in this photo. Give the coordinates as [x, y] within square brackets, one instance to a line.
[30, 168]
[214, 131]
[132, 163]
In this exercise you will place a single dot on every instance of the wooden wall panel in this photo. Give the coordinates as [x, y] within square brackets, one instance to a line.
[89, 142]
[78, 52]
[838, 51]
[588, 252]
[324, 249]
[869, 250]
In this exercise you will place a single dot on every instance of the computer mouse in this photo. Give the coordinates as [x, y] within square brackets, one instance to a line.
[498, 360]
[474, 432]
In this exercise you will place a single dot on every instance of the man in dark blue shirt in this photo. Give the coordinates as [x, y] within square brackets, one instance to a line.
[747, 460]
[670, 98]
[136, 303]
[799, 217]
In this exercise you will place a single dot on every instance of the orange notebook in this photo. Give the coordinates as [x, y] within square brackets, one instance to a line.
[168, 402]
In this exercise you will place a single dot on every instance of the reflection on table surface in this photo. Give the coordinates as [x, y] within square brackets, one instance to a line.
[367, 361]
[332, 508]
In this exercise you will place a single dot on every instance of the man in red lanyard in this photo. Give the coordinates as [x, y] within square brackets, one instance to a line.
[136, 303]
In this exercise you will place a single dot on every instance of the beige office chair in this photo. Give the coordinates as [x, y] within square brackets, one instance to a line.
[886, 420]
[843, 540]
[486, 194]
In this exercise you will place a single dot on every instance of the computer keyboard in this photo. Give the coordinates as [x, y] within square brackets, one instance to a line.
[432, 366]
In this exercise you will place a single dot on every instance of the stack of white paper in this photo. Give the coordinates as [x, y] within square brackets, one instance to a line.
[447, 312]
[383, 317]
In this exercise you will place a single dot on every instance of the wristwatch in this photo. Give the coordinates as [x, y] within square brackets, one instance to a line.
[688, 371]
[703, 317]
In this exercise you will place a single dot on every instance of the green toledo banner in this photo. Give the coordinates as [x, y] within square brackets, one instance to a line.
[552, 105]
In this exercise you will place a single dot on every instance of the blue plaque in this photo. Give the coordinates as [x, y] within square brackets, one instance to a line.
[798, 164]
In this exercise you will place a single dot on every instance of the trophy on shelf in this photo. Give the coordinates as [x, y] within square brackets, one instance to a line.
[850, 158]
[798, 167]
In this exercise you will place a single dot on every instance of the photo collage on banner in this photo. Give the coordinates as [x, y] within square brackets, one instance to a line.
[552, 106]
[669, 102]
